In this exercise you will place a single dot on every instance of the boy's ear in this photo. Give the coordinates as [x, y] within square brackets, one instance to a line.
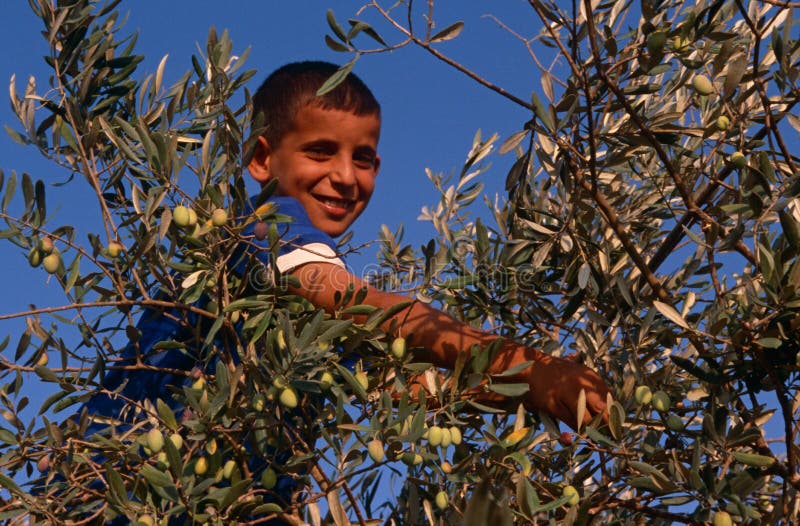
[259, 164]
[377, 163]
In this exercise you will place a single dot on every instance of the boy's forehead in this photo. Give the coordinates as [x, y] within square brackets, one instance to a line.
[305, 115]
[316, 105]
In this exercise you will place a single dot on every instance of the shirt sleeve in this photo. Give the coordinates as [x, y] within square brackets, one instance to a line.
[300, 241]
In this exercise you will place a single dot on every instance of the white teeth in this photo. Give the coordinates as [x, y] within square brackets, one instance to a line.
[336, 203]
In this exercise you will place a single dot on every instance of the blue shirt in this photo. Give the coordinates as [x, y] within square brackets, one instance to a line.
[300, 243]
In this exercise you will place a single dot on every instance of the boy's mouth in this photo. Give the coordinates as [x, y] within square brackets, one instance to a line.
[337, 204]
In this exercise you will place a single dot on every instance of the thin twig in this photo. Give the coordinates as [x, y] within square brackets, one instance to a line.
[426, 45]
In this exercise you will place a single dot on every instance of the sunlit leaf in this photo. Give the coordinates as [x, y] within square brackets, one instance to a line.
[450, 32]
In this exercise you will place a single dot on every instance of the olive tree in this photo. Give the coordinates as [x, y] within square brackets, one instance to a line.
[649, 229]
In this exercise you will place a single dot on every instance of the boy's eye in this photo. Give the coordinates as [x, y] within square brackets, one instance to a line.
[364, 161]
[364, 158]
[318, 151]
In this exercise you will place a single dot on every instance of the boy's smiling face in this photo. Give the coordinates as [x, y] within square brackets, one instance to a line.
[328, 161]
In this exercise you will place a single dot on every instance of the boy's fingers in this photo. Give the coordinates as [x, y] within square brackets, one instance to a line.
[599, 407]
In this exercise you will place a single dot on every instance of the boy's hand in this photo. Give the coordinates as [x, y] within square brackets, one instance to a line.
[555, 384]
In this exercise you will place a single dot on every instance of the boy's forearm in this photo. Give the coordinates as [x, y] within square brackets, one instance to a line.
[555, 383]
[444, 338]
[438, 337]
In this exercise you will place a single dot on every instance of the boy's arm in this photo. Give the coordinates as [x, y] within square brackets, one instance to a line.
[555, 383]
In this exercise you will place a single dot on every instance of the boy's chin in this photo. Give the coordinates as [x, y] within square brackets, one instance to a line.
[334, 228]
[335, 231]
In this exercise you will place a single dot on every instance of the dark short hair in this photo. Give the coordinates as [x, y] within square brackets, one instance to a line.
[293, 86]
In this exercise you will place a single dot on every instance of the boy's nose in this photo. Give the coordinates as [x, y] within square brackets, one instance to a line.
[343, 173]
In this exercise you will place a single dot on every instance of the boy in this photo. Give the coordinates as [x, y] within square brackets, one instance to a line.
[323, 154]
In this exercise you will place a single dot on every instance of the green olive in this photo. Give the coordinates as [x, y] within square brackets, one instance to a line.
[702, 85]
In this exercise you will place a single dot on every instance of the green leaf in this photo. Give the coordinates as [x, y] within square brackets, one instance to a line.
[11, 232]
[334, 45]
[354, 427]
[246, 304]
[753, 459]
[510, 390]
[166, 414]
[459, 282]
[790, 227]
[541, 113]
[581, 410]
[669, 312]
[378, 317]
[66, 132]
[695, 370]
[46, 374]
[647, 469]
[73, 273]
[27, 190]
[7, 436]
[356, 27]
[50, 400]
[264, 320]
[41, 203]
[11, 186]
[766, 261]
[351, 380]
[174, 458]
[115, 485]
[370, 31]
[512, 141]
[212, 332]
[744, 437]
[448, 33]
[616, 417]
[527, 497]
[359, 310]
[16, 136]
[597, 436]
[334, 25]
[337, 78]
[155, 477]
[336, 329]
[235, 491]
[512, 371]
[770, 343]
[167, 345]
[484, 408]
[736, 69]
[269, 507]
[10, 485]
[553, 504]
[584, 273]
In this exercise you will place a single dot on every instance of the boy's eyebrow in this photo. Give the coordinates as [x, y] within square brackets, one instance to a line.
[331, 143]
[366, 149]
[319, 142]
